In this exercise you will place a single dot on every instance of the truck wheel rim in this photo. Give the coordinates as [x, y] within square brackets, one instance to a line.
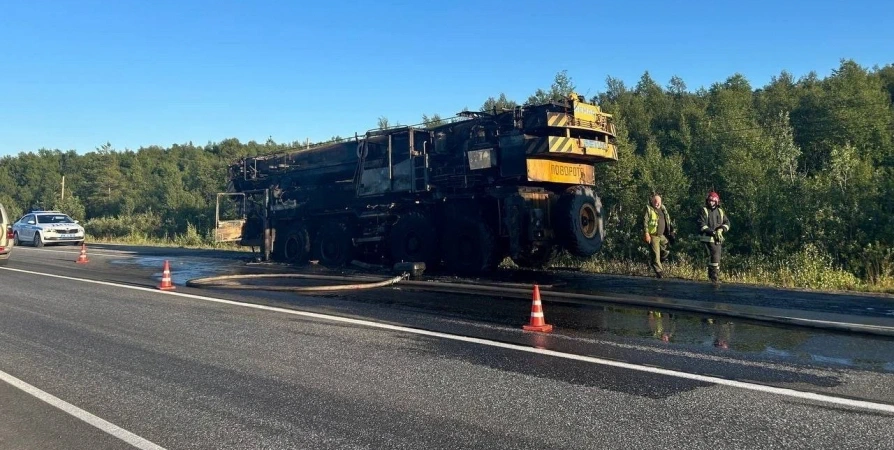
[588, 221]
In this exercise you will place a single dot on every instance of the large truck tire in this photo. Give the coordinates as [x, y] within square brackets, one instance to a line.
[413, 239]
[292, 245]
[333, 245]
[468, 245]
[579, 221]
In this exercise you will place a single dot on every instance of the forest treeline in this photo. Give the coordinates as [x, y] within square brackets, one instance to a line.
[802, 165]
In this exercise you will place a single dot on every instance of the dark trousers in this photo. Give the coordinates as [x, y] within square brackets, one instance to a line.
[659, 252]
[714, 250]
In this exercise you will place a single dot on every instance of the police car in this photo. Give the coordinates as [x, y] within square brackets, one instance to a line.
[47, 227]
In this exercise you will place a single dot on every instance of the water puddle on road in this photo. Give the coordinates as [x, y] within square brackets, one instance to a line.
[724, 334]
[796, 344]
[182, 269]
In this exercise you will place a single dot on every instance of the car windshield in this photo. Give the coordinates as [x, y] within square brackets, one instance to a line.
[54, 218]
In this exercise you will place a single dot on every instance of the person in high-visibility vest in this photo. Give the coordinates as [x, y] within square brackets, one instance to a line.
[713, 223]
[659, 232]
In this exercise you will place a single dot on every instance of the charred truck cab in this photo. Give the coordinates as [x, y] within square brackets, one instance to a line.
[461, 195]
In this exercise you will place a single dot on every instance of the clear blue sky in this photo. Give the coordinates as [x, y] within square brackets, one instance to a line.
[75, 74]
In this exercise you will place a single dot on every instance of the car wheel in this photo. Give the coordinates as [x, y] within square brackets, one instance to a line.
[37, 242]
[15, 239]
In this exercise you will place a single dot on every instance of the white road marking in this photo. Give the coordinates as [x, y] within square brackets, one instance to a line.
[85, 416]
[873, 406]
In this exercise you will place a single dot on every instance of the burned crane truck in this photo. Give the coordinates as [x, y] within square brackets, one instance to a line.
[461, 195]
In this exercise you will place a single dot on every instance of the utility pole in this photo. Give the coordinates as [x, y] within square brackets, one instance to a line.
[63, 188]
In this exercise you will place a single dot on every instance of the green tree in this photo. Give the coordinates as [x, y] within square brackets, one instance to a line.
[783, 211]
[781, 96]
[433, 121]
[72, 206]
[103, 182]
[676, 86]
[663, 175]
[848, 107]
[498, 104]
[562, 86]
[886, 77]
[846, 196]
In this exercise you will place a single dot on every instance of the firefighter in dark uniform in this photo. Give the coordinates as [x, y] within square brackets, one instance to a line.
[712, 224]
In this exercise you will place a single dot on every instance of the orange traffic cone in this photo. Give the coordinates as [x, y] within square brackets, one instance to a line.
[166, 284]
[82, 259]
[537, 321]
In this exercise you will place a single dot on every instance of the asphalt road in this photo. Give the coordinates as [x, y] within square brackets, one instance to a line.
[92, 356]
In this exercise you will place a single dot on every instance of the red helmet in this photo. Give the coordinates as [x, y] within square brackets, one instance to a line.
[713, 196]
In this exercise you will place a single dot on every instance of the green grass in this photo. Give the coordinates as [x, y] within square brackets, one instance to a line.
[187, 240]
[807, 269]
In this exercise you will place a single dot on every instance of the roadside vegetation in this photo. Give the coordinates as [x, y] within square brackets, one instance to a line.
[804, 167]
[118, 231]
[807, 269]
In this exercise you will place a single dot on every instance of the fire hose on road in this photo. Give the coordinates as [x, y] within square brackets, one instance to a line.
[232, 282]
